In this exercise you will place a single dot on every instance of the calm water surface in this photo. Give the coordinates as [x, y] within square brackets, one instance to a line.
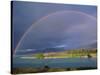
[55, 63]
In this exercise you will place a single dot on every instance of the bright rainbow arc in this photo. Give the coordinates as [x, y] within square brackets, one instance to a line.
[43, 18]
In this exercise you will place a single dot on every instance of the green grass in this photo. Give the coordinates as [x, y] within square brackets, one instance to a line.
[67, 54]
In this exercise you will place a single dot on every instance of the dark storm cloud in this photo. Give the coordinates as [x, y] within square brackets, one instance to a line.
[26, 13]
[70, 29]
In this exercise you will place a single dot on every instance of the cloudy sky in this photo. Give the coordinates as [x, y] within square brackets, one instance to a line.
[43, 25]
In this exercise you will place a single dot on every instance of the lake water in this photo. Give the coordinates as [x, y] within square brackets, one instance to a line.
[55, 63]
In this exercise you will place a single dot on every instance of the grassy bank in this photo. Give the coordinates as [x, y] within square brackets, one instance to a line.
[45, 69]
[79, 53]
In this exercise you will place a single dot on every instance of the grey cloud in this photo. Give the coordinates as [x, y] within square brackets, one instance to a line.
[72, 29]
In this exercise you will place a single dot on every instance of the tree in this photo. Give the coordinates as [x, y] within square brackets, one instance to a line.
[39, 56]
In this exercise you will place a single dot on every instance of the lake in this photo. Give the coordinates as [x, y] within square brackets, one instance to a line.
[55, 63]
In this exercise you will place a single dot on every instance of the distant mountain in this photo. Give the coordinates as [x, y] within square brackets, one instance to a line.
[45, 50]
[53, 49]
[94, 45]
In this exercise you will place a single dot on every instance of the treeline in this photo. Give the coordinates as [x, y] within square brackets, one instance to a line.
[68, 54]
[82, 51]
